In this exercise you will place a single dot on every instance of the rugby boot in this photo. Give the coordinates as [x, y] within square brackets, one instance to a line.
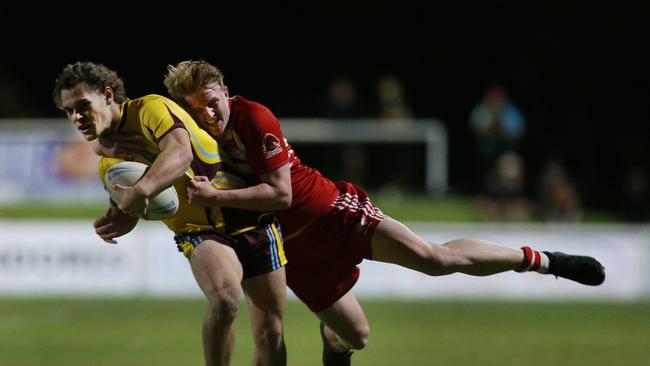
[582, 269]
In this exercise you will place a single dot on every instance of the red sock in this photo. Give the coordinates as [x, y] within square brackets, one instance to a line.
[532, 260]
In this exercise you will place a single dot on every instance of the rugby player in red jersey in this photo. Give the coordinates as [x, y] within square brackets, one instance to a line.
[328, 227]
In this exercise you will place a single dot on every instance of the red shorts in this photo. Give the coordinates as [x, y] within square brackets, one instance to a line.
[323, 258]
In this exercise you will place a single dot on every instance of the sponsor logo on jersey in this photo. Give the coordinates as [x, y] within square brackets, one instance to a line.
[271, 145]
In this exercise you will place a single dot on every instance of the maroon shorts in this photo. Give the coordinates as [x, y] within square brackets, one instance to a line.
[260, 250]
[323, 257]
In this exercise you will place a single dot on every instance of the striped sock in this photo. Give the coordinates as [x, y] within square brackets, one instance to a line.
[533, 261]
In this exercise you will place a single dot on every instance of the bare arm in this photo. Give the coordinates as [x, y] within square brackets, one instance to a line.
[274, 193]
[173, 161]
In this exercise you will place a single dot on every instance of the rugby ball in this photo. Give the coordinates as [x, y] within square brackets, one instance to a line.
[127, 173]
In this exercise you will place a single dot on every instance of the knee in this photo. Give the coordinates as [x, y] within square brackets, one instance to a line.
[223, 305]
[270, 335]
[359, 337]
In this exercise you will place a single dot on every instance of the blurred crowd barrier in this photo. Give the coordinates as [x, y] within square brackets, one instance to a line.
[66, 258]
[47, 160]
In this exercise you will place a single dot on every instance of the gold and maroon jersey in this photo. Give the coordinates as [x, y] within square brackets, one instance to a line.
[153, 117]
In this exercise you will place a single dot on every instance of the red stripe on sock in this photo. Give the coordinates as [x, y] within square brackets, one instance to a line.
[536, 262]
[528, 259]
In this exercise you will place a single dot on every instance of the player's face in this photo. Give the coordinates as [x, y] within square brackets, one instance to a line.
[87, 109]
[210, 108]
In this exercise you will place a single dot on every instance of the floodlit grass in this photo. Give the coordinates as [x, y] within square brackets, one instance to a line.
[36, 210]
[411, 207]
[164, 332]
[407, 208]
[427, 208]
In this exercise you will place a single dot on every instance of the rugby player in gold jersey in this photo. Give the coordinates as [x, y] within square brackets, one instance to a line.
[227, 249]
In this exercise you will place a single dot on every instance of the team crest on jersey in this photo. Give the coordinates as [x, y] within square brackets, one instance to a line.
[271, 145]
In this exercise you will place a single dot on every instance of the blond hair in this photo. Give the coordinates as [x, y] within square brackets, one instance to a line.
[188, 77]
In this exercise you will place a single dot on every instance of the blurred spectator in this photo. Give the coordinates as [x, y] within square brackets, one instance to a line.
[342, 100]
[636, 198]
[343, 105]
[558, 199]
[504, 198]
[498, 126]
[394, 111]
[393, 107]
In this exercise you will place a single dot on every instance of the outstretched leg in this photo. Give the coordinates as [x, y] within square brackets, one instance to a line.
[395, 243]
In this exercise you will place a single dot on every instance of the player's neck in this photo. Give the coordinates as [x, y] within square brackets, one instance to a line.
[118, 113]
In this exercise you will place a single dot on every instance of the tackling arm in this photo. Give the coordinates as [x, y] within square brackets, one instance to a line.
[273, 194]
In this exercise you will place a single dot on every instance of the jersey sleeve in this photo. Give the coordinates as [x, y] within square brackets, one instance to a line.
[160, 118]
[266, 147]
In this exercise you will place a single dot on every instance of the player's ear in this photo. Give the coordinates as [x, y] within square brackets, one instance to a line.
[225, 90]
[109, 94]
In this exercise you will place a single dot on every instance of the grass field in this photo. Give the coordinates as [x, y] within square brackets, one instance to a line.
[420, 208]
[83, 332]
[414, 207]
[161, 332]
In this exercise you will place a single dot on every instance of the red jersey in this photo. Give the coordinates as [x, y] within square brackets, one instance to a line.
[331, 224]
[253, 145]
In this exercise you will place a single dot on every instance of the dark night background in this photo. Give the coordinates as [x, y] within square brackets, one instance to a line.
[578, 71]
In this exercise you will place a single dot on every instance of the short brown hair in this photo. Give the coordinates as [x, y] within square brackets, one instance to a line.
[96, 76]
[188, 77]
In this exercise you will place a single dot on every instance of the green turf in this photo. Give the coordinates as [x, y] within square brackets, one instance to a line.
[167, 332]
[427, 208]
[36, 210]
[411, 207]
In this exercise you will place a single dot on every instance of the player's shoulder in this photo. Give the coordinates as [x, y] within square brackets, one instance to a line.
[243, 104]
[156, 100]
[155, 104]
[250, 112]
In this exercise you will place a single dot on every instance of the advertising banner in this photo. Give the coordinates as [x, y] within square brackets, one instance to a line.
[67, 258]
